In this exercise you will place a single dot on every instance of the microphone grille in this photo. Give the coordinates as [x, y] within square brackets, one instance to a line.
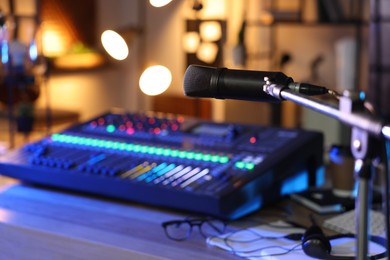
[197, 81]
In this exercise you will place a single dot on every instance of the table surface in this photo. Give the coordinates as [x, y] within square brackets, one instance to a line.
[43, 223]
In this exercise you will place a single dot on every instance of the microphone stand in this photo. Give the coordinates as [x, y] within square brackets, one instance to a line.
[364, 128]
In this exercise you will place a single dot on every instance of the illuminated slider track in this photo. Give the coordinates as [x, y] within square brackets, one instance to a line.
[144, 149]
[143, 163]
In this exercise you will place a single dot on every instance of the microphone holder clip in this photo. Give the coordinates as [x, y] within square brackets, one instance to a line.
[273, 90]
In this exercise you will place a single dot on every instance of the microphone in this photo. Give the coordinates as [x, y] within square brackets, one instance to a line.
[223, 83]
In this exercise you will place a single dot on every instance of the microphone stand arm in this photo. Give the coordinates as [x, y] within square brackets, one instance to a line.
[364, 128]
[374, 127]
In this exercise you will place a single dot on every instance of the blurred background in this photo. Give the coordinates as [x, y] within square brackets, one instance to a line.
[316, 41]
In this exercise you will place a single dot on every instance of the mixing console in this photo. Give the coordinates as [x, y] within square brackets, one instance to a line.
[219, 169]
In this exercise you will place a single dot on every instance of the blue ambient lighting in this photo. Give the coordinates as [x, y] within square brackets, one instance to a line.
[296, 183]
[4, 52]
[300, 181]
[33, 51]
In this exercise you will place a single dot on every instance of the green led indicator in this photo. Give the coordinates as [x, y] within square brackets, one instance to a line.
[198, 156]
[82, 140]
[90, 141]
[76, 140]
[245, 165]
[107, 144]
[223, 159]
[122, 146]
[110, 128]
[215, 158]
[116, 145]
[144, 149]
[240, 165]
[167, 152]
[190, 155]
[112, 144]
[129, 147]
[207, 157]
[137, 148]
[151, 150]
[249, 166]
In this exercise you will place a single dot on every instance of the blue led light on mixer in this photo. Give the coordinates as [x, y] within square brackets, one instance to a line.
[145, 149]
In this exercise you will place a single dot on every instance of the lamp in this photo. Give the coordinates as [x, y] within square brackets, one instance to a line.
[66, 37]
[115, 45]
[210, 31]
[55, 40]
[159, 3]
[207, 52]
[116, 42]
[155, 80]
[203, 41]
[191, 41]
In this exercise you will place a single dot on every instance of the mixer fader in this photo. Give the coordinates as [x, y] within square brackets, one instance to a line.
[219, 169]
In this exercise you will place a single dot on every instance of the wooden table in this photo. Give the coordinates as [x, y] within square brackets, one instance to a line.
[42, 223]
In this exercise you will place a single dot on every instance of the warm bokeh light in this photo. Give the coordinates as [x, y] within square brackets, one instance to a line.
[54, 43]
[155, 80]
[210, 31]
[159, 3]
[79, 61]
[266, 17]
[115, 45]
[207, 52]
[191, 42]
[214, 9]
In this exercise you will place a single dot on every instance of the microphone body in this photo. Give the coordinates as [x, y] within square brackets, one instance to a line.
[223, 83]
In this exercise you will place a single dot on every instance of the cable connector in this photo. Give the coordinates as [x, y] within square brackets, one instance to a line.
[308, 89]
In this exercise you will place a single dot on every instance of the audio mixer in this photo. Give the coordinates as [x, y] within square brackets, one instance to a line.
[225, 170]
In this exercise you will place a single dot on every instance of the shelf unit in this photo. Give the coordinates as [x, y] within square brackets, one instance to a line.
[269, 55]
